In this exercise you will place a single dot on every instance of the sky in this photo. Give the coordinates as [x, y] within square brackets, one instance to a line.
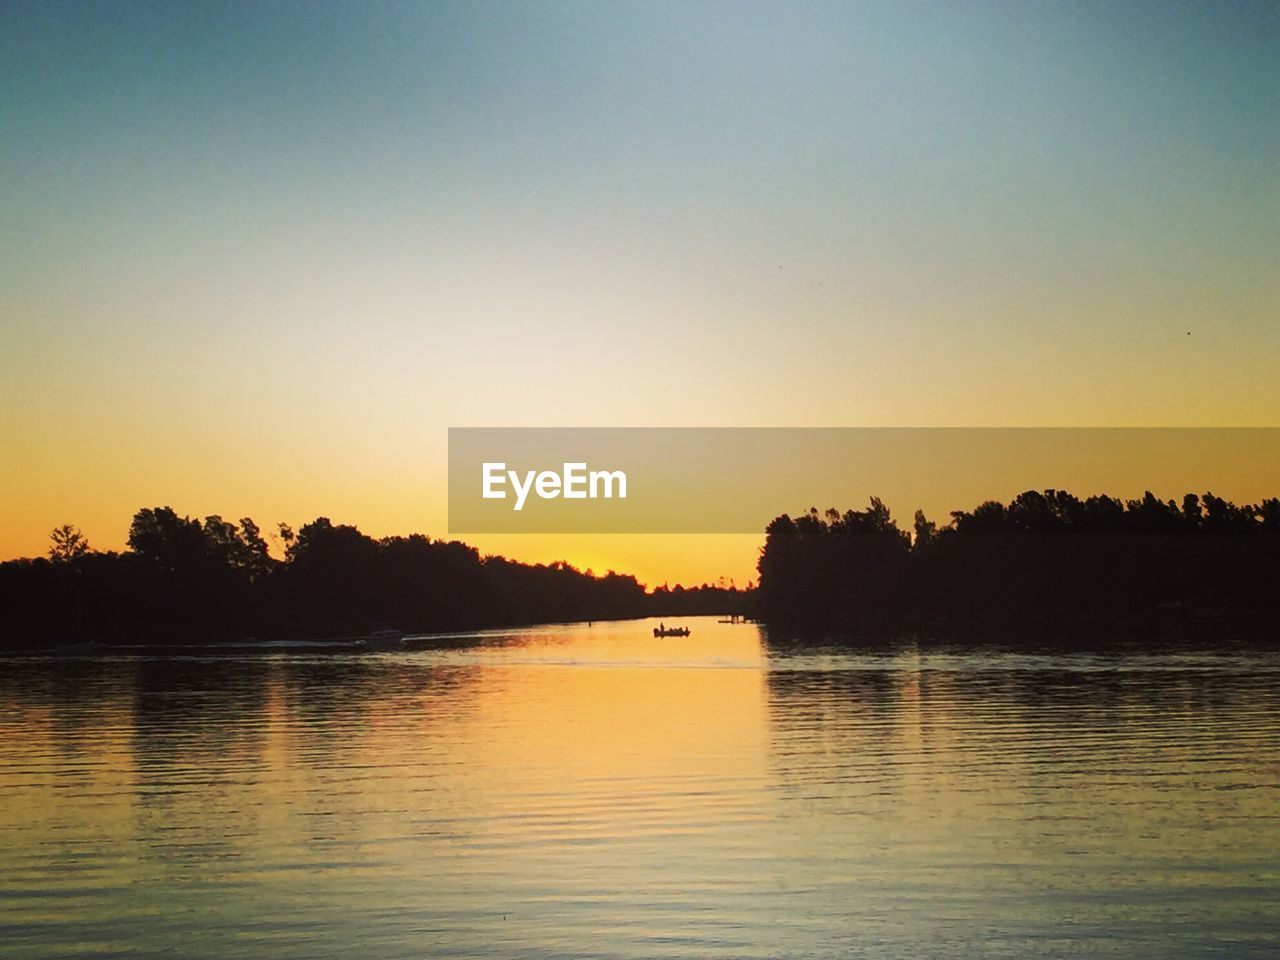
[255, 259]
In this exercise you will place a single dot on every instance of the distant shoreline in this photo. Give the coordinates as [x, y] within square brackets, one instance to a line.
[209, 581]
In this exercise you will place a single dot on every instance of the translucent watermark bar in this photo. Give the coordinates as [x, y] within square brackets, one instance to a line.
[735, 480]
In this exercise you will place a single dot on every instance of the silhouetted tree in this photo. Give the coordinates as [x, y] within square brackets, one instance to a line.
[172, 543]
[67, 544]
[926, 531]
[1046, 557]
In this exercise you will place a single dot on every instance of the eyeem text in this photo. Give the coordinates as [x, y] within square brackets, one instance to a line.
[574, 482]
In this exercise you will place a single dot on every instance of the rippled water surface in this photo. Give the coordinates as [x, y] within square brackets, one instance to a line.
[591, 791]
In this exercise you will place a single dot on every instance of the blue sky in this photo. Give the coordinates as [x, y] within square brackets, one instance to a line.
[245, 243]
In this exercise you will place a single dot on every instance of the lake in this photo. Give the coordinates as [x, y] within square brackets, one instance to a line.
[591, 791]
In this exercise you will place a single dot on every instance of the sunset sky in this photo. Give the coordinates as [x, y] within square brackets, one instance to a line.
[255, 259]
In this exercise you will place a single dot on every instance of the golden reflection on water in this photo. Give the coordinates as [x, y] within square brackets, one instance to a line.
[594, 791]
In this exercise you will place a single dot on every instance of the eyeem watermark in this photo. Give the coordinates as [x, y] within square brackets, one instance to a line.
[737, 479]
[575, 482]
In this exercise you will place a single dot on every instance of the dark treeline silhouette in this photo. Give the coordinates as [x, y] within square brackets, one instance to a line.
[1045, 559]
[706, 599]
[185, 580]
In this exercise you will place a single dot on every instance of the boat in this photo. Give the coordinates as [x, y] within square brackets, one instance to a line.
[671, 631]
[383, 638]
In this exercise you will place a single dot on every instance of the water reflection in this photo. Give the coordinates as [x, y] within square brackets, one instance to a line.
[576, 791]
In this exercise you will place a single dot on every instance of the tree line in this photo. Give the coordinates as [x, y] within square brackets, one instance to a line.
[186, 580]
[1046, 558]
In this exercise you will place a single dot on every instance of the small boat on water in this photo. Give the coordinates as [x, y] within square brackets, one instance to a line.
[382, 638]
[661, 631]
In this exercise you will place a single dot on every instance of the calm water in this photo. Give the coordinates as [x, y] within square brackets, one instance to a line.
[591, 791]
